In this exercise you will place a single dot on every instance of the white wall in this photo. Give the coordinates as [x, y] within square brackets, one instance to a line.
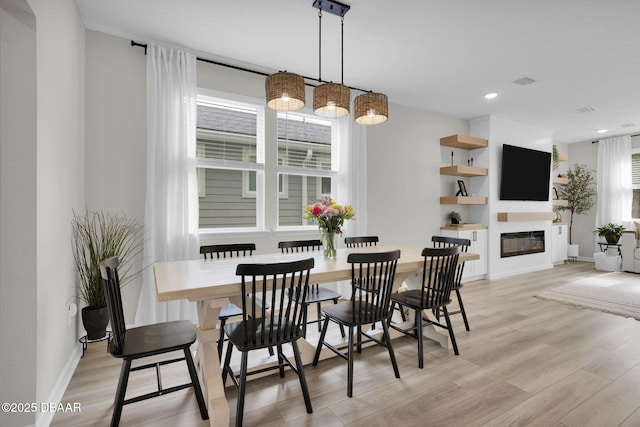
[42, 117]
[403, 178]
[18, 138]
[60, 181]
[501, 131]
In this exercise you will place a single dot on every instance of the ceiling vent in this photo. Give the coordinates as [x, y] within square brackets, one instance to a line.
[628, 125]
[524, 81]
[587, 109]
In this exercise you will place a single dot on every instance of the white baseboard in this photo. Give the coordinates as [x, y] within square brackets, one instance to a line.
[43, 419]
[521, 271]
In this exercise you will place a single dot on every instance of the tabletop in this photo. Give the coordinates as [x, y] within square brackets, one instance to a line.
[205, 279]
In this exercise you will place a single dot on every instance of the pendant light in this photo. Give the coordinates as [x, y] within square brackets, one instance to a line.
[371, 108]
[285, 91]
[331, 99]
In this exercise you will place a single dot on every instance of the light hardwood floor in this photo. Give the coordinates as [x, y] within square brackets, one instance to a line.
[525, 362]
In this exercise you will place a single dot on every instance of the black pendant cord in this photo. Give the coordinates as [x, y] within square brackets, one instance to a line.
[320, 45]
[342, 50]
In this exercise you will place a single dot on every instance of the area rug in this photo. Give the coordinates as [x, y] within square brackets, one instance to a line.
[615, 293]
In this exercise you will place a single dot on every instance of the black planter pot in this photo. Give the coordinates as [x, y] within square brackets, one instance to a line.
[95, 321]
[611, 239]
[455, 221]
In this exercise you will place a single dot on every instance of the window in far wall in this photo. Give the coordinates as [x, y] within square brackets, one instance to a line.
[230, 164]
[306, 163]
[635, 182]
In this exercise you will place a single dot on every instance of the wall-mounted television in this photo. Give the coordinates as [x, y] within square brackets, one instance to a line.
[525, 174]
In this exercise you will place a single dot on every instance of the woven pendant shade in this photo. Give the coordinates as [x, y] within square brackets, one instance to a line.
[331, 100]
[371, 108]
[284, 91]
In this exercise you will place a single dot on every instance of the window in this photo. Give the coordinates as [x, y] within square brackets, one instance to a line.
[230, 162]
[305, 163]
[233, 171]
[635, 183]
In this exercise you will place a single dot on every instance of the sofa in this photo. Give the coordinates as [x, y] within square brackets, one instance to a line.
[629, 249]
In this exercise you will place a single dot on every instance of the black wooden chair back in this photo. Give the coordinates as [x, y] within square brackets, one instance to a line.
[109, 271]
[438, 276]
[228, 251]
[361, 241]
[447, 242]
[293, 246]
[374, 274]
[273, 283]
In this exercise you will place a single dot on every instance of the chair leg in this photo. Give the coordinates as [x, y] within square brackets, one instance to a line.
[359, 342]
[392, 354]
[335, 301]
[350, 363]
[280, 360]
[242, 388]
[196, 384]
[120, 392]
[305, 308]
[419, 337]
[221, 338]
[226, 367]
[453, 338]
[303, 379]
[464, 313]
[319, 308]
[325, 326]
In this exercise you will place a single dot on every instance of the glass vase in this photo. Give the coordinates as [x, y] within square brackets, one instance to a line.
[329, 244]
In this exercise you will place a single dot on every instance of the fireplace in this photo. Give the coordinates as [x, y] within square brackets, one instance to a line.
[521, 243]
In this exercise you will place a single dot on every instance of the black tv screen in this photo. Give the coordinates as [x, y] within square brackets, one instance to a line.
[525, 174]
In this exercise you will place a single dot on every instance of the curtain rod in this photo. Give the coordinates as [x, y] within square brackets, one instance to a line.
[597, 140]
[248, 70]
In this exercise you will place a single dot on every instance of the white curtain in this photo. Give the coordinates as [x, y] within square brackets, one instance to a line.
[614, 180]
[171, 208]
[352, 179]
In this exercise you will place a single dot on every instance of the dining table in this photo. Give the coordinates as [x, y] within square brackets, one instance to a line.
[212, 284]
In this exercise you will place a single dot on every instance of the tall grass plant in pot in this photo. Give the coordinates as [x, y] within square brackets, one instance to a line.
[580, 193]
[97, 236]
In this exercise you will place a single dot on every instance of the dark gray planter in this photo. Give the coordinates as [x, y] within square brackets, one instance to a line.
[95, 321]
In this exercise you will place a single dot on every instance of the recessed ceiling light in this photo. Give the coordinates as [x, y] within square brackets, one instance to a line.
[491, 95]
[601, 130]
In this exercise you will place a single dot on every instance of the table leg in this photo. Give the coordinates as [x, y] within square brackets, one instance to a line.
[209, 363]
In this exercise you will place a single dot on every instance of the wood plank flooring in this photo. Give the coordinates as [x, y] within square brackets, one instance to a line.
[525, 362]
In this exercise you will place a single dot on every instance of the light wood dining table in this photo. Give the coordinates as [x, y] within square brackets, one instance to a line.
[211, 284]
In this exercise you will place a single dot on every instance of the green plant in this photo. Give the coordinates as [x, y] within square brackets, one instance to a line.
[454, 216]
[611, 232]
[579, 192]
[96, 237]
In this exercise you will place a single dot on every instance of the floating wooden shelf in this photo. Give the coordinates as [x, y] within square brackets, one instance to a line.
[467, 226]
[464, 141]
[525, 216]
[563, 158]
[459, 170]
[560, 202]
[560, 180]
[456, 200]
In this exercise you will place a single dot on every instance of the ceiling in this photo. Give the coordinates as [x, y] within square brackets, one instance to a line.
[438, 55]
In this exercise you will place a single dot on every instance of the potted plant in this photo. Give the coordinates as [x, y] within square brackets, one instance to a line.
[454, 217]
[96, 237]
[579, 192]
[611, 232]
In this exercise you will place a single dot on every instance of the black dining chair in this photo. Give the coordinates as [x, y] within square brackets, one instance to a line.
[225, 251]
[145, 341]
[317, 294]
[261, 329]
[438, 275]
[374, 273]
[361, 241]
[445, 242]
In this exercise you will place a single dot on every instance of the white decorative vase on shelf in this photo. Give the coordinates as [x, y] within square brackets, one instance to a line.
[572, 251]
